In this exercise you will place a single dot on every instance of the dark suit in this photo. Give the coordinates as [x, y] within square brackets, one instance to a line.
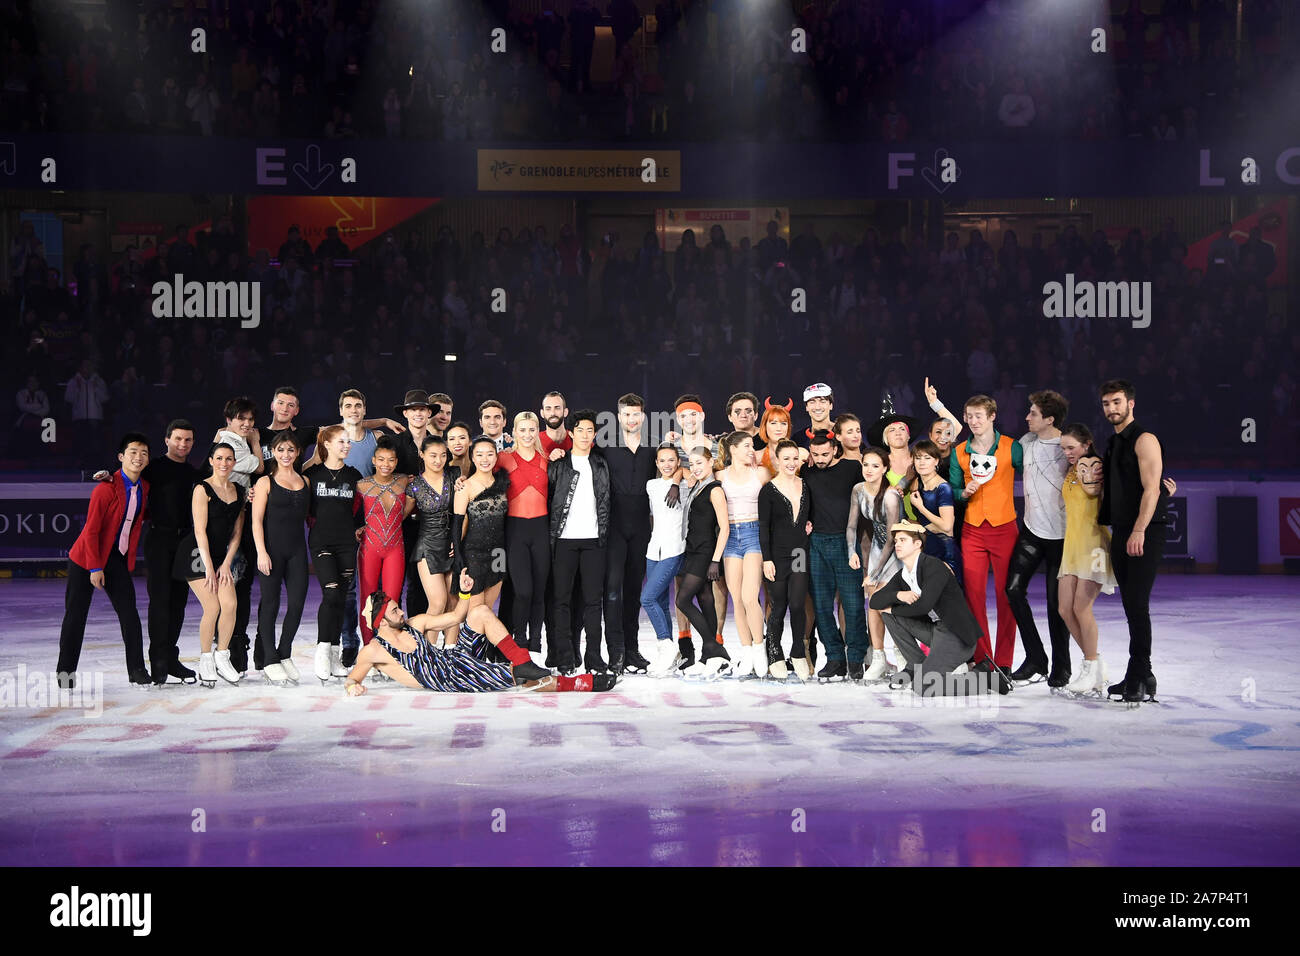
[951, 639]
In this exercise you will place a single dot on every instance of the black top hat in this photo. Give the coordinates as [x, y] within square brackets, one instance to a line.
[876, 433]
[414, 399]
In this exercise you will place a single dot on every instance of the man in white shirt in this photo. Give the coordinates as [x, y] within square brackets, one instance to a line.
[1041, 540]
[579, 506]
[924, 604]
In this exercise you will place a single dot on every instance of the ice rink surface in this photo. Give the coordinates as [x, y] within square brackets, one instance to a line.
[664, 771]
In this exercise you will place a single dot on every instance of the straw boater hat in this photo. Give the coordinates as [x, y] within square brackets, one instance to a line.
[876, 433]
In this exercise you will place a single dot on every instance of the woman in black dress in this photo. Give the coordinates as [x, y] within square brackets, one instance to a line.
[704, 506]
[280, 502]
[783, 508]
[431, 493]
[478, 523]
[210, 560]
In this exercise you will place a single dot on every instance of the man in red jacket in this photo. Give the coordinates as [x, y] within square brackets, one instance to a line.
[103, 558]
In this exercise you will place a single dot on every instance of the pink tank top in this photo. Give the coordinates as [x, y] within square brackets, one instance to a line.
[742, 498]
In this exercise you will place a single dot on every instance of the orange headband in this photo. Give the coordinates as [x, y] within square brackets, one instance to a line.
[691, 406]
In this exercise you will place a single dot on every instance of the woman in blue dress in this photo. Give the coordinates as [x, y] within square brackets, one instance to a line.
[932, 501]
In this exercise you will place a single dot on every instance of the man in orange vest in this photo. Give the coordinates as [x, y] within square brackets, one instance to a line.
[982, 472]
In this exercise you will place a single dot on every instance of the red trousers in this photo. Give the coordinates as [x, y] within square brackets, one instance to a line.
[384, 568]
[982, 545]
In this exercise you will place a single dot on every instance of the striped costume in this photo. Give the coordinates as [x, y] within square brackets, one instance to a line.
[462, 668]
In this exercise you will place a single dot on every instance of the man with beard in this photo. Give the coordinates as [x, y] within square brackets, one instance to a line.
[554, 412]
[830, 486]
[406, 651]
[1134, 503]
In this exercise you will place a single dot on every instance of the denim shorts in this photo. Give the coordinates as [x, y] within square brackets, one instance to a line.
[742, 540]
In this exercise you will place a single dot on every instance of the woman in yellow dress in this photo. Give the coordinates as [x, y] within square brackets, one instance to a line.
[1085, 559]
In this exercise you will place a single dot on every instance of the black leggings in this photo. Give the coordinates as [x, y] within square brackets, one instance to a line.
[693, 590]
[334, 568]
[790, 589]
[528, 560]
[290, 568]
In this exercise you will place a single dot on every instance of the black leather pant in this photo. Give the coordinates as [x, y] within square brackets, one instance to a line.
[1032, 551]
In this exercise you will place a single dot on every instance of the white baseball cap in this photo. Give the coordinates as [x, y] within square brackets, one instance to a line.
[819, 390]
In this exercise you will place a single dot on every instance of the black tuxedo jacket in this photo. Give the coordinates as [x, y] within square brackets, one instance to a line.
[940, 593]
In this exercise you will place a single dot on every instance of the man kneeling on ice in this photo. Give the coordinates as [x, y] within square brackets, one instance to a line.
[924, 604]
[406, 651]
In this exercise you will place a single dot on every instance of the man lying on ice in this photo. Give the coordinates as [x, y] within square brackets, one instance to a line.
[406, 651]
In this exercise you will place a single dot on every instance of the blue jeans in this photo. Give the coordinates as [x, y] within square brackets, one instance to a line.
[654, 594]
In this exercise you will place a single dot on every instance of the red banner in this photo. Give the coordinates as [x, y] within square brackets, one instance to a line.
[359, 219]
[1272, 220]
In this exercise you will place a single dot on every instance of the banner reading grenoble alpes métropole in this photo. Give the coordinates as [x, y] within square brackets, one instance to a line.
[579, 170]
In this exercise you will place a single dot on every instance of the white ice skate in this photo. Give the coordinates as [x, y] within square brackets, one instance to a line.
[1091, 682]
[667, 659]
[744, 667]
[879, 668]
[336, 662]
[275, 675]
[759, 651]
[778, 671]
[290, 670]
[207, 670]
[322, 663]
[715, 668]
[226, 670]
[801, 669]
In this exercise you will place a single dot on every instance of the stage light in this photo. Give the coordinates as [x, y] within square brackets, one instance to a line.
[449, 357]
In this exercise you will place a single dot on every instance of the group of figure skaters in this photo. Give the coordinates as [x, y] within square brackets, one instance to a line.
[509, 543]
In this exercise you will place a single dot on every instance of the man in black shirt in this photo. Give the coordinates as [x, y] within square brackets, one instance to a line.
[631, 465]
[830, 487]
[171, 490]
[1133, 503]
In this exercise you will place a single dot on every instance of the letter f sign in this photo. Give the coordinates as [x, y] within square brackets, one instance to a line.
[896, 168]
